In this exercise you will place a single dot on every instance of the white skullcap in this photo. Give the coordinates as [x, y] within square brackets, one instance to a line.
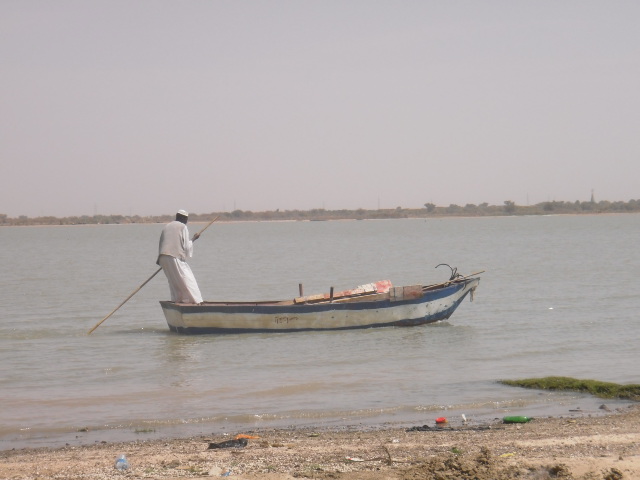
[183, 213]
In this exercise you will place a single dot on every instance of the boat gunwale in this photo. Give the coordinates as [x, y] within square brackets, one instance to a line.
[356, 303]
[388, 301]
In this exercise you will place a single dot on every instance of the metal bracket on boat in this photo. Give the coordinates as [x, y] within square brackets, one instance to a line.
[455, 278]
[454, 271]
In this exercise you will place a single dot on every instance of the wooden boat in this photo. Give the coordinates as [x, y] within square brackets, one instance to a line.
[376, 304]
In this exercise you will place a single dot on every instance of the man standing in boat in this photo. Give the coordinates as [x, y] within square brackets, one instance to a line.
[175, 248]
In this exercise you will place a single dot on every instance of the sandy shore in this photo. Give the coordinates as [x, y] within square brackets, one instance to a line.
[589, 447]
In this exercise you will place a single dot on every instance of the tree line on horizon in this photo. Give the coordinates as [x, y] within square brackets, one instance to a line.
[429, 210]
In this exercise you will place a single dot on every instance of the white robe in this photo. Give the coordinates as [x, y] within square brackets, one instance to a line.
[174, 249]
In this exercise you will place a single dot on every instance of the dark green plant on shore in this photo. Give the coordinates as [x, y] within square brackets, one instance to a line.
[594, 387]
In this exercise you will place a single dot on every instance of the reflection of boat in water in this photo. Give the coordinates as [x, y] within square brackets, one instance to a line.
[373, 305]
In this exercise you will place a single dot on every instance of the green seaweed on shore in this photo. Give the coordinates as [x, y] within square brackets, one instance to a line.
[594, 387]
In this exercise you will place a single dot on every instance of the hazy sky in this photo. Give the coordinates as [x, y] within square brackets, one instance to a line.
[145, 107]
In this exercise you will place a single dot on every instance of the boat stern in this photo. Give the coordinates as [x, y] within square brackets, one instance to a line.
[173, 315]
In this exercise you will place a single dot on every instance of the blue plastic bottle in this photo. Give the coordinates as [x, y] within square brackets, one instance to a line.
[122, 463]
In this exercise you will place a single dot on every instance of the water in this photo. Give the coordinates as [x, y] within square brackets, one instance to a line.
[559, 297]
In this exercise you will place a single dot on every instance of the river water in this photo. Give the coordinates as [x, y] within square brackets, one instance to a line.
[559, 296]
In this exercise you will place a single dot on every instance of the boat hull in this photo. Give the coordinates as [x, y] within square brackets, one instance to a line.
[431, 305]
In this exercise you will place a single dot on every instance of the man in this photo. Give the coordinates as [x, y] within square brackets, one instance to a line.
[175, 248]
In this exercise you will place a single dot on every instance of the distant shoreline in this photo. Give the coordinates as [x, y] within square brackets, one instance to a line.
[571, 209]
[439, 217]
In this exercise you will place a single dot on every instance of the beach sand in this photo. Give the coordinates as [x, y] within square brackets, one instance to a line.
[589, 447]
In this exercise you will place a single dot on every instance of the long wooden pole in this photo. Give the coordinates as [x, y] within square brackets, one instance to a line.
[195, 237]
[125, 300]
